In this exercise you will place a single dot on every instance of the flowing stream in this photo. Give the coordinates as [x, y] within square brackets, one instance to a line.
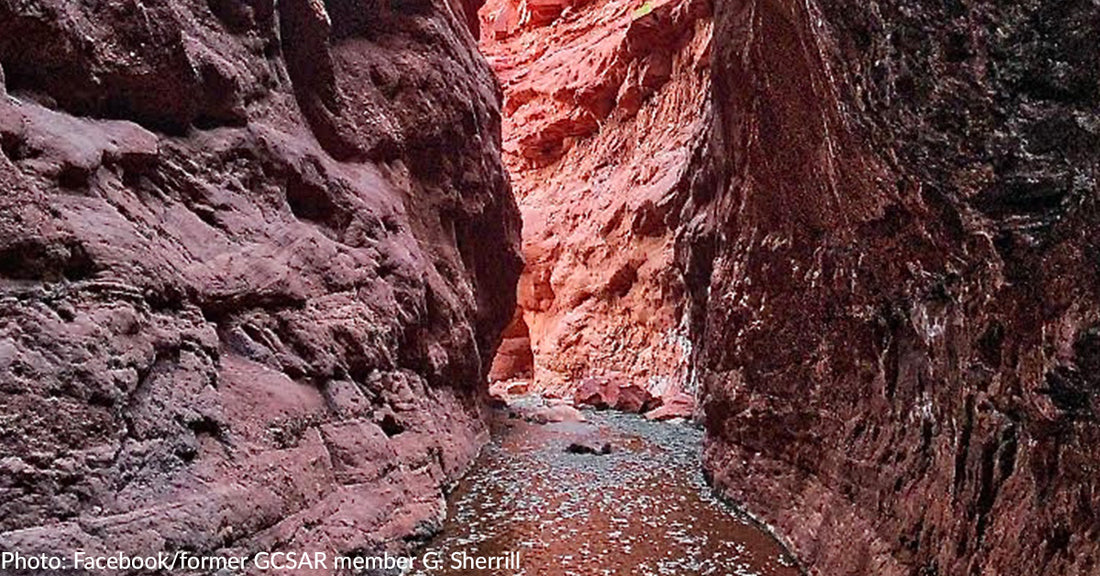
[643, 509]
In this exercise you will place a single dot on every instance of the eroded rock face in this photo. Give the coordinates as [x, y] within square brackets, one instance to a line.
[894, 281]
[254, 266]
[603, 104]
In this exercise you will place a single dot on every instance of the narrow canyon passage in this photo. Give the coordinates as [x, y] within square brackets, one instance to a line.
[603, 103]
[603, 107]
[261, 273]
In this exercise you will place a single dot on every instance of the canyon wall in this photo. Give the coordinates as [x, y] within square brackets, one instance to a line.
[255, 259]
[602, 108]
[892, 263]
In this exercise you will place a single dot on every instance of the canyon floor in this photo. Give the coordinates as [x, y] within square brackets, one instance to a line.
[260, 260]
[644, 508]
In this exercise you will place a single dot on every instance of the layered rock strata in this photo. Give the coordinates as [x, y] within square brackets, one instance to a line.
[602, 106]
[893, 272]
[255, 259]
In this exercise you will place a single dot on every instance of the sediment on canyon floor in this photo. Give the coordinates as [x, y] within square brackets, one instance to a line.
[257, 257]
[617, 495]
[603, 105]
[883, 266]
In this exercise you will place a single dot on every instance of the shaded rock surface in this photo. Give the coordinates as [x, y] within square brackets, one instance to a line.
[892, 265]
[255, 260]
[602, 107]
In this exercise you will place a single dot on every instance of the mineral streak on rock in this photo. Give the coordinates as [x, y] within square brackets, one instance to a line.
[891, 254]
[602, 108]
[255, 259]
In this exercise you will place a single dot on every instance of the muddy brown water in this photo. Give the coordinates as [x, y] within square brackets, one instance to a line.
[644, 509]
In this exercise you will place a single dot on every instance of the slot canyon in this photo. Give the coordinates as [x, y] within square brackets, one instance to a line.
[602, 110]
[377, 276]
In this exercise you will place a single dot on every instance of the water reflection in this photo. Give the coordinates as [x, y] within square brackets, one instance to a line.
[644, 509]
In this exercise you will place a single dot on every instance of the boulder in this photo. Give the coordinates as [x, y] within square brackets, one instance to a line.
[598, 392]
[509, 388]
[555, 413]
[605, 392]
[678, 406]
[634, 398]
[589, 447]
[541, 410]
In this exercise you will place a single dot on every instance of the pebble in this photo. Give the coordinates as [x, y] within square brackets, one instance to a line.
[642, 508]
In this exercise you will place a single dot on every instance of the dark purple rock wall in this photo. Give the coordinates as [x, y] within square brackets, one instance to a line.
[254, 265]
[893, 260]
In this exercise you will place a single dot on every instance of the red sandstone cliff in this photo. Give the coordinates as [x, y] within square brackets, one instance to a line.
[602, 105]
[893, 270]
[254, 264]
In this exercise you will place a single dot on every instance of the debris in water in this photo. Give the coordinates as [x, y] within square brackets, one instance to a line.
[643, 508]
[584, 448]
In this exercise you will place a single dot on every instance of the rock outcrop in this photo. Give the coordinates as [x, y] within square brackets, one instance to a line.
[255, 259]
[602, 108]
[893, 270]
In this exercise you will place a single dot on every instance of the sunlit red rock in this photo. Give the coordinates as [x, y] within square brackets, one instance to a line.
[514, 357]
[603, 104]
[600, 392]
[677, 406]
